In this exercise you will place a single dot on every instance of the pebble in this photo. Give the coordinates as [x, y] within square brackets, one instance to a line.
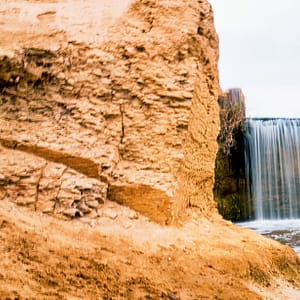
[109, 213]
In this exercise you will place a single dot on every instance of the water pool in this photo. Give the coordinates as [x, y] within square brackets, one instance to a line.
[285, 231]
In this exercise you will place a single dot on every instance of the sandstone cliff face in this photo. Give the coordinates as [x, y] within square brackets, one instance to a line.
[127, 111]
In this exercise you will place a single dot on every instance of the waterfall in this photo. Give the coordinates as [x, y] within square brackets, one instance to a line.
[272, 162]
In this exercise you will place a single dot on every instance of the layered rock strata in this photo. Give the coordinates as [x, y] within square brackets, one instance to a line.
[132, 116]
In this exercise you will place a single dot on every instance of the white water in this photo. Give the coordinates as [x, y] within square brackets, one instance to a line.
[284, 231]
[273, 178]
[273, 168]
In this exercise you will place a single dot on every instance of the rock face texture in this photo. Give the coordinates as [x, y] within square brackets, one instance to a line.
[128, 113]
[230, 183]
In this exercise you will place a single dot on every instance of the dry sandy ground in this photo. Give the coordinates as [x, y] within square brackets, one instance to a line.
[122, 255]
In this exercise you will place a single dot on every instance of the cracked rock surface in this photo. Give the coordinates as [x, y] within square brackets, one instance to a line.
[48, 187]
[131, 104]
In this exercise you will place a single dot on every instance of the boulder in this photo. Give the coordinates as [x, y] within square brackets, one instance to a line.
[136, 110]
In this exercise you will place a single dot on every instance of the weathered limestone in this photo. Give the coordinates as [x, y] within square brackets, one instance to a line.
[135, 112]
[46, 186]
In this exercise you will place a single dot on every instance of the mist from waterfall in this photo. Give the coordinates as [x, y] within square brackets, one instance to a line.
[272, 162]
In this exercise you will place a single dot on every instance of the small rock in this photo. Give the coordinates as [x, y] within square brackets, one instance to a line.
[83, 184]
[60, 60]
[92, 203]
[133, 215]
[71, 81]
[178, 95]
[92, 215]
[90, 61]
[61, 75]
[72, 213]
[84, 208]
[109, 213]
[14, 179]
[97, 73]
[106, 80]
[100, 200]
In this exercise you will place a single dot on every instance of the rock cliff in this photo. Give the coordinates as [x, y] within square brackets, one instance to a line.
[230, 184]
[121, 108]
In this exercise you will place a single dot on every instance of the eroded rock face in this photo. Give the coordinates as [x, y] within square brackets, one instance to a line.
[230, 183]
[48, 187]
[133, 116]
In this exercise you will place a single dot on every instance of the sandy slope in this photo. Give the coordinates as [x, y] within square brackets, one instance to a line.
[122, 255]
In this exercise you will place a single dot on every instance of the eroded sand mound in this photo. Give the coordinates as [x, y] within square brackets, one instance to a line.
[123, 256]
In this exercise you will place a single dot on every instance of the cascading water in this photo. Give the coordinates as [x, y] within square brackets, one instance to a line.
[273, 167]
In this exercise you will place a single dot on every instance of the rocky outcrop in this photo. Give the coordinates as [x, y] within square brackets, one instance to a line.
[230, 183]
[132, 115]
[48, 187]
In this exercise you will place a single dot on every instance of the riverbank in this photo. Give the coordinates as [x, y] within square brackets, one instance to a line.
[286, 231]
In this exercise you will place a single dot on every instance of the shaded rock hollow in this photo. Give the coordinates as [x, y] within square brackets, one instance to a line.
[132, 113]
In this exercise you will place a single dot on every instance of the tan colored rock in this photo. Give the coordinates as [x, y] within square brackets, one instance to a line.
[109, 213]
[135, 109]
[72, 213]
[45, 186]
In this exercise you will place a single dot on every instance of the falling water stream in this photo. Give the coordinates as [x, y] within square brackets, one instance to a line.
[272, 162]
